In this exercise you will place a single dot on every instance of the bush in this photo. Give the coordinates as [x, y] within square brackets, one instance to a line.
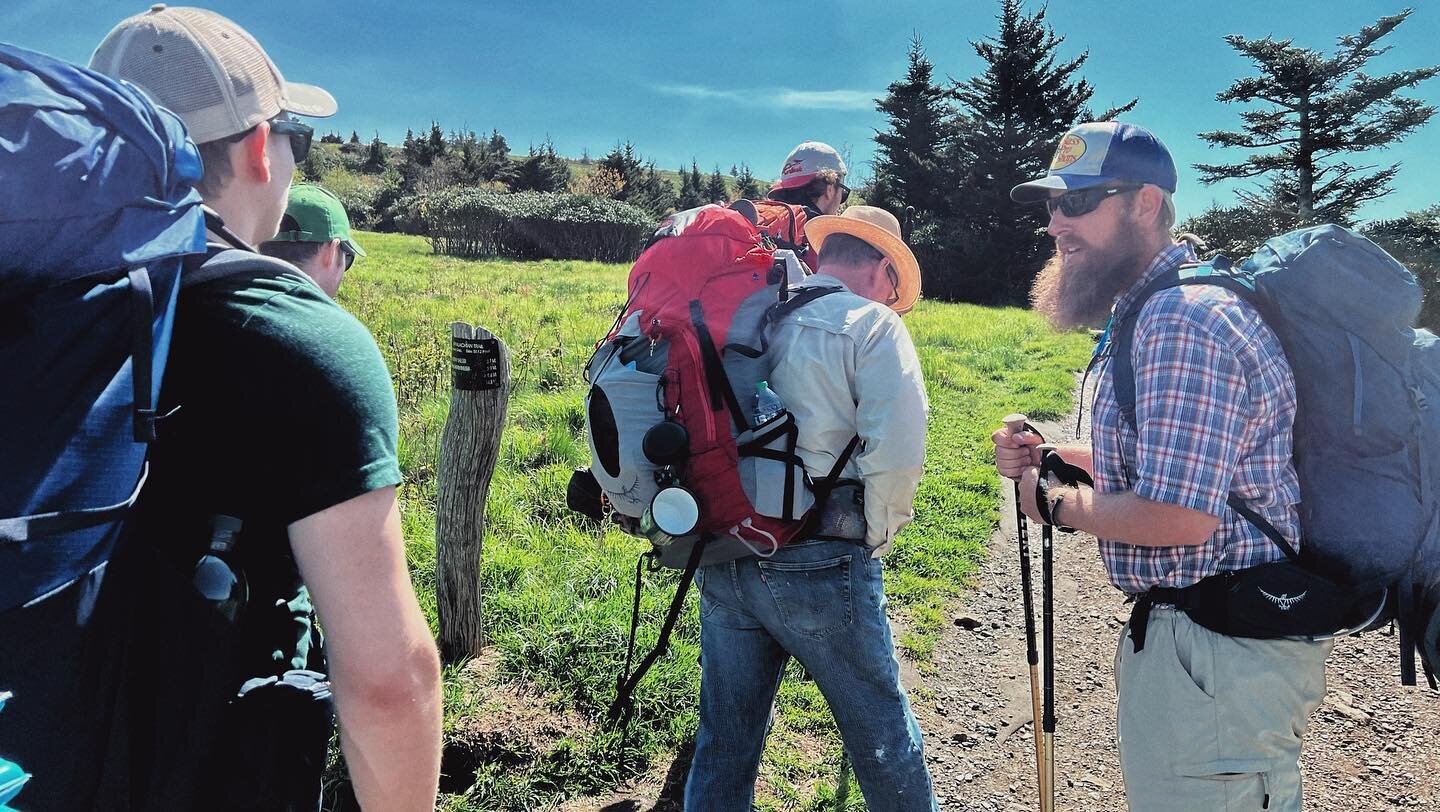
[360, 193]
[526, 225]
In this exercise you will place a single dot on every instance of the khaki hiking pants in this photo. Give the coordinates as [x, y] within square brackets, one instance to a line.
[1211, 722]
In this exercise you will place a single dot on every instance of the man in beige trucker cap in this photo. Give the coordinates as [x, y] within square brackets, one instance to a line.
[233, 100]
[289, 428]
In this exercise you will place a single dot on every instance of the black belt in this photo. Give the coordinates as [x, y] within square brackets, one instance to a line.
[1140, 612]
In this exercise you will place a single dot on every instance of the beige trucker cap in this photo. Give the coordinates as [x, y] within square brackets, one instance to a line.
[206, 69]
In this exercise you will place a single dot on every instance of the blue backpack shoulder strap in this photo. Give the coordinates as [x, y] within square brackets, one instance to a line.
[1218, 272]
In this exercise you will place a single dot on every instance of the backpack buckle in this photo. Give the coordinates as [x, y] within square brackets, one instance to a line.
[1419, 397]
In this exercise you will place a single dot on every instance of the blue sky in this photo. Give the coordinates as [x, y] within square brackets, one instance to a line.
[744, 81]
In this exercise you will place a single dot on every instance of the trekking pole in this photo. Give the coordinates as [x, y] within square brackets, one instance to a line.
[1047, 575]
[1017, 424]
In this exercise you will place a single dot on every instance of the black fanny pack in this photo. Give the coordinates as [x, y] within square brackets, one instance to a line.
[1279, 599]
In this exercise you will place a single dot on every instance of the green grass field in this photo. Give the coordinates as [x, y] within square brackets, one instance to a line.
[525, 726]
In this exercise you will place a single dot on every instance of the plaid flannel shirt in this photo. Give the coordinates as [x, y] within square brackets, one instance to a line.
[1215, 405]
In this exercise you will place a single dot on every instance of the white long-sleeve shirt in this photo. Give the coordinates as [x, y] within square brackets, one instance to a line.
[845, 366]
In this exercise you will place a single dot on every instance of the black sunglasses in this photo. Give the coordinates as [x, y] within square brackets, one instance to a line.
[349, 256]
[1083, 201]
[844, 193]
[298, 132]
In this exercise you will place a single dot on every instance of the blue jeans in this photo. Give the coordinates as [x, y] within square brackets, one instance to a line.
[823, 603]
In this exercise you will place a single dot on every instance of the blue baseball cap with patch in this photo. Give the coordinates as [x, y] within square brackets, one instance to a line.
[1102, 152]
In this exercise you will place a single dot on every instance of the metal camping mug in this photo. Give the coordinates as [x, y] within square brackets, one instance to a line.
[672, 513]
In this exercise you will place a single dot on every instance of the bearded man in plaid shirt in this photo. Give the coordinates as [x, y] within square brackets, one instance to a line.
[1206, 721]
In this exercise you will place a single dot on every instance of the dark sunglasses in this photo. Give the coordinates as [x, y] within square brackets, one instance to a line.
[844, 193]
[299, 134]
[349, 256]
[1083, 201]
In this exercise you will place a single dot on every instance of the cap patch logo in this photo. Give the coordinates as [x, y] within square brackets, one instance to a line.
[792, 166]
[1071, 148]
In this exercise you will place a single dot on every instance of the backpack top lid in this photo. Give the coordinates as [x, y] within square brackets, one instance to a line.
[1344, 279]
[93, 176]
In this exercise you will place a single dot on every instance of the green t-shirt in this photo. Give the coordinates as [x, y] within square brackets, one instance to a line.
[285, 408]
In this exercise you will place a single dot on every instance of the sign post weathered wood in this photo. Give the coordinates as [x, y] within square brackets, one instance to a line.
[469, 448]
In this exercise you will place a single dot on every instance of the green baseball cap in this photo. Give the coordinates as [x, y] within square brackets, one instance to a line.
[316, 215]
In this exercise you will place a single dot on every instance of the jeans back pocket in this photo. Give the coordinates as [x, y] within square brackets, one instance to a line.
[813, 596]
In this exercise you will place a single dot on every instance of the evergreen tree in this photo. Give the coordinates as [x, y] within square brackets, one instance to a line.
[745, 185]
[542, 171]
[436, 142]
[376, 158]
[734, 172]
[641, 185]
[355, 138]
[417, 150]
[715, 189]
[1316, 109]
[1007, 124]
[330, 138]
[909, 159]
[692, 188]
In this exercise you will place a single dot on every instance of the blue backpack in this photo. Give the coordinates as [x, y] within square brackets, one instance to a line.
[97, 210]
[1367, 424]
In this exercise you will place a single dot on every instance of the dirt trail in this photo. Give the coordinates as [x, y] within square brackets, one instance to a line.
[1369, 746]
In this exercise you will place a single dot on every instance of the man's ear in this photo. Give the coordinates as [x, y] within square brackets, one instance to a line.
[330, 254]
[253, 162]
[1148, 200]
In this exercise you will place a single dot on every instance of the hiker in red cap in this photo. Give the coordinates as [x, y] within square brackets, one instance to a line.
[814, 177]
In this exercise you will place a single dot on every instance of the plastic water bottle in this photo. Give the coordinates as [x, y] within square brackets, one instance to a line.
[767, 404]
[12, 777]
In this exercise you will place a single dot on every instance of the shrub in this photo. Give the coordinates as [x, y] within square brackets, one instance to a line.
[527, 225]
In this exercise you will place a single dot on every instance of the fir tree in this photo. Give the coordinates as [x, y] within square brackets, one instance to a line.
[909, 160]
[642, 185]
[692, 188]
[1315, 110]
[376, 158]
[330, 138]
[436, 142]
[745, 185]
[355, 138]
[715, 189]
[542, 171]
[1007, 124]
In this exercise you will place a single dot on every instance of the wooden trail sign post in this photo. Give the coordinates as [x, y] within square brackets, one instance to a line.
[469, 448]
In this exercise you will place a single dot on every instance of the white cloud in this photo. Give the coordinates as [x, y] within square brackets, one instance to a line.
[781, 97]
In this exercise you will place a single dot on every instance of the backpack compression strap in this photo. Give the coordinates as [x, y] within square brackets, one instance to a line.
[1122, 331]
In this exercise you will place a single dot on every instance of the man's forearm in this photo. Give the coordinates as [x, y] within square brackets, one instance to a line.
[388, 736]
[1132, 519]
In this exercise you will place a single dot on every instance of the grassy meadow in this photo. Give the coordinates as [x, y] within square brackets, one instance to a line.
[525, 724]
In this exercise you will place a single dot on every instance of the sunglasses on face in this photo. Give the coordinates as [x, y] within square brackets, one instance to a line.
[298, 133]
[1083, 201]
[844, 193]
[349, 257]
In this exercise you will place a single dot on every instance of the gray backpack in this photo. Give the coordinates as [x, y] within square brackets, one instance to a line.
[1367, 425]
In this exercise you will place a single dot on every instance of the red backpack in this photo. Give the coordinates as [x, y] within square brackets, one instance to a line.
[785, 223]
[671, 409]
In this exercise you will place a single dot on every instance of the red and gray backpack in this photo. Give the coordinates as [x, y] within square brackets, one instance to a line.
[677, 455]
[785, 224]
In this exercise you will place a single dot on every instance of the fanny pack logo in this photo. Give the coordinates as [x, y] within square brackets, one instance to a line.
[1285, 601]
